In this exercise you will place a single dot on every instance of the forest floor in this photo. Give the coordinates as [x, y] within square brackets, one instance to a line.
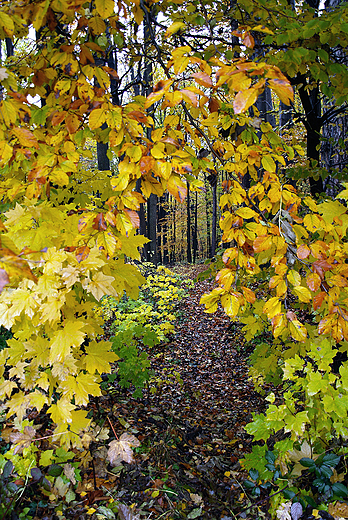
[192, 431]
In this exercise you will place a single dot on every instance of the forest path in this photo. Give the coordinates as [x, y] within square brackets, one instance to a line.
[192, 433]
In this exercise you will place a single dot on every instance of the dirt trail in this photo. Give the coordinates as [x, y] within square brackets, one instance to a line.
[192, 433]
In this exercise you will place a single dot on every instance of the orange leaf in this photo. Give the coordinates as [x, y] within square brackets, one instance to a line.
[133, 217]
[26, 137]
[138, 116]
[245, 99]
[262, 243]
[153, 97]
[249, 295]
[318, 300]
[283, 89]
[177, 188]
[99, 222]
[202, 79]
[213, 105]
[15, 265]
[303, 251]
[58, 117]
[313, 281]
[72, 123]
[190, 97]
[147, 164]
[82, 253]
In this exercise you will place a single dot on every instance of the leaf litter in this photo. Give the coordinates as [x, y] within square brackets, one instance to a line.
[190, 427]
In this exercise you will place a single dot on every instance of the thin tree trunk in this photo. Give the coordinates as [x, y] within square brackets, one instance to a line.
[195, 230]
[214, 221]
[188, 226]
[151, 247]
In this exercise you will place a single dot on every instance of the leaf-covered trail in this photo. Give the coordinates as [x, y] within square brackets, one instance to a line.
[191, 433]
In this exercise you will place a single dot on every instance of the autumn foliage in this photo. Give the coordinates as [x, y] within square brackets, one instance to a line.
[68, 233]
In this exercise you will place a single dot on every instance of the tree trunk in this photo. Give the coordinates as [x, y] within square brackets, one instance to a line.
[214, 221]
[195, 230]
[188, 226]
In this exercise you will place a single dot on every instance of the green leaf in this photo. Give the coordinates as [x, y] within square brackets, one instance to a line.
[340, 489]
[308, 463]
[254, 474]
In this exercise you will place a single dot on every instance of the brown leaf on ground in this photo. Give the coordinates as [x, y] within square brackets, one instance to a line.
[22, 439]
[120, 450]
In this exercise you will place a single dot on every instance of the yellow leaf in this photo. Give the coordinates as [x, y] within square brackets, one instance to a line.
[64, 339]
[18, 405]
[105, 7]
[8, 112]
[5, 152]
[245, 99]
[101, 285]
[177, 188]
[61, 412]
[108, 243]
[294, 277]
[283, 89]
[98, 357]
[297, 330]
[272, 307]
[153, 97]
[180, 64]
[246, 213]
[174, 28]
[80, 388]
[98, 26]
[230, 304]
[26, 137]
[6, 23]
[40, 14]
[268, 164]
[38, 400]
[97, 118]
[303, 293]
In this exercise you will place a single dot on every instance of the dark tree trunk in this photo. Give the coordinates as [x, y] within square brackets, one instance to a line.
[214, 221]
[312, 107]
[207, 214]
[151, 247]
[195, 230]
[188, 226]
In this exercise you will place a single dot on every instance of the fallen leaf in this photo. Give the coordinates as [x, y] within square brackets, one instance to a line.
[120, 450]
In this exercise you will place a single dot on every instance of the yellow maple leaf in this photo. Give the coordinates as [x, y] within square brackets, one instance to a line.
[61, 412]
[18, 405]
[64, 339]
[101, 285]
[98, 357]
[80, 387]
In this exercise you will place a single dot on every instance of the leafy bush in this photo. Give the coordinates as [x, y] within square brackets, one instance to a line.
[145, 322]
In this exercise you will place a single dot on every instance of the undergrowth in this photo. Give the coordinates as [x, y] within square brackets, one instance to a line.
[133, 325]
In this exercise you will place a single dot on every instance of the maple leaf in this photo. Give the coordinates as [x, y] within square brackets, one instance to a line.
[64, 339]
[98, 357]
[101, 285]
[297, 455]
[120, 450]
[23, 439]
[61, 412]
